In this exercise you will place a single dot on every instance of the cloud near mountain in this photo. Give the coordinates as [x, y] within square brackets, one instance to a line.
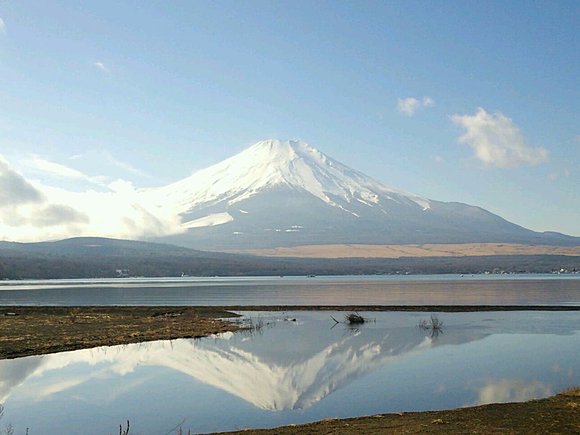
[24, 208]
[30, 211]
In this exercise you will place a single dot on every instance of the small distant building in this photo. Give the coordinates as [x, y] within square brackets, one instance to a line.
[122, 273]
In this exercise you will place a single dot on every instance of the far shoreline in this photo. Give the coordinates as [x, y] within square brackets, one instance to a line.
[439, 277]
[403, 308]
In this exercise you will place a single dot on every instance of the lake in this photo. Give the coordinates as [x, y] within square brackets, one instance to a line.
[298, 367]
[333, 290]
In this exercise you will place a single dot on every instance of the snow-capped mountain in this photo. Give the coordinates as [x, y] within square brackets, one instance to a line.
[292, 164]
[284, 193]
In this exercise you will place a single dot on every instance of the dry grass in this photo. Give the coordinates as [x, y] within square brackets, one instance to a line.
[354, 318]
[426, 250]
[41, 330]
[433, 324]
[572, 392]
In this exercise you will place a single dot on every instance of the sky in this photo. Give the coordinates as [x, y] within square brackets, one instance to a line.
[475, 102]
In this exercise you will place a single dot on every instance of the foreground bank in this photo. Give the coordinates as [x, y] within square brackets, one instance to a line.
[558, 414]
[28, 331]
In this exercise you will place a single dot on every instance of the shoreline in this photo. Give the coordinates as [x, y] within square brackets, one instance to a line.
[555, 414]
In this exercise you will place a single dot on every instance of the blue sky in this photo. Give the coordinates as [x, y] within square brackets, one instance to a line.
[476, 102]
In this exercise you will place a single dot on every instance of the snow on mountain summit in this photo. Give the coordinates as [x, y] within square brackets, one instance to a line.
[274, 163]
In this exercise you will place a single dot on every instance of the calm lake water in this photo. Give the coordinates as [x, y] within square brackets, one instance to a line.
[294, 372]
[343, 290]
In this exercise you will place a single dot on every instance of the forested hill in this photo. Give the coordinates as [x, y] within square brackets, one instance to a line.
[106, 258]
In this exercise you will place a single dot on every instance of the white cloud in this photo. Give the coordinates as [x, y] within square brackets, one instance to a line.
[497, 141]
[14, 188]
[32, 211]
[124, 165]
[2, 26]
[409, 106]
[438, 159]
[60, 171]
[56, 169]
[26, 210]
[553, 176]
[105, 156]
[102, 67]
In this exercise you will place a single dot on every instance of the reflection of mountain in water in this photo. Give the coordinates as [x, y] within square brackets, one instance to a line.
[281, 369]
[303, 380]
[289, 366]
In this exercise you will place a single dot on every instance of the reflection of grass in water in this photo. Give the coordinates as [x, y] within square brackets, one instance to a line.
[251, 327]
[434, 325]
[9, 429]
[124, 431]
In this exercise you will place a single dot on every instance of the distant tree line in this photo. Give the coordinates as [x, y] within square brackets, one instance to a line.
[41, 265]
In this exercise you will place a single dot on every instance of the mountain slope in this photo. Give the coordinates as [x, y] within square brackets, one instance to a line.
[286, 193]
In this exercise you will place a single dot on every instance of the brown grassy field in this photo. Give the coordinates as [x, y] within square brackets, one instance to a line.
[427, 250]
[39, 330]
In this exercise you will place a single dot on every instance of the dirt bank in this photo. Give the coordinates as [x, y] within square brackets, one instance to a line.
[39, 330]
[559, 414]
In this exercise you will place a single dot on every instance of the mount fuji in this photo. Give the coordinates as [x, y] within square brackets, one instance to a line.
[286, 193]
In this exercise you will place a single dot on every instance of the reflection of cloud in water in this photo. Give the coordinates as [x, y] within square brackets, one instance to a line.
[14, 372]
[513, 390]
